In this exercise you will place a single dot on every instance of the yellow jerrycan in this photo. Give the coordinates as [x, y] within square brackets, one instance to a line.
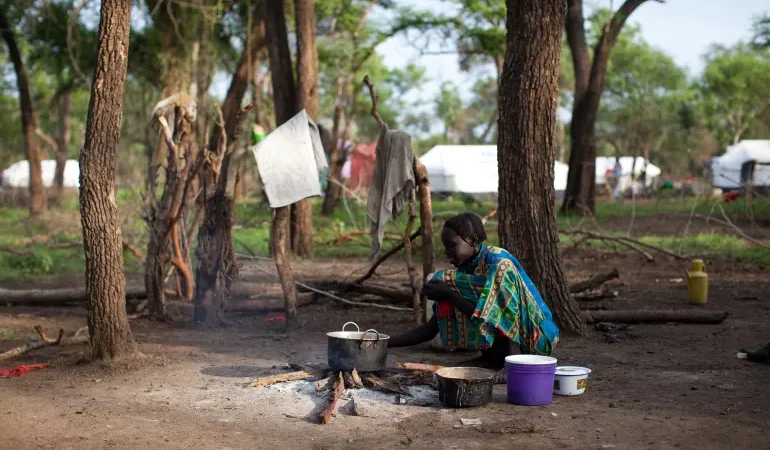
[697, 283]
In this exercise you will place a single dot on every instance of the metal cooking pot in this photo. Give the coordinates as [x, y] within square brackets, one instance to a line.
[465, 386]
[365, 351]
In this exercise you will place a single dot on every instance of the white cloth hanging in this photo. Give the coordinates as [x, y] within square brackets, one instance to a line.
[289, 160]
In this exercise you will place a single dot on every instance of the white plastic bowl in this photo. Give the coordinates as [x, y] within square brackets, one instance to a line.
[570, 380]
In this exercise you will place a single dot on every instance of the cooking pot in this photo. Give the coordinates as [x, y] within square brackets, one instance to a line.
[364, 351]
[465, 386]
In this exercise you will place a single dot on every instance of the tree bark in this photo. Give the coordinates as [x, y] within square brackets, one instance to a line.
[307, 98]
[37, 198]
[529, 92]
[216, 261]
[285, 104]
[579, 196]
[105, 281]
[64, 109]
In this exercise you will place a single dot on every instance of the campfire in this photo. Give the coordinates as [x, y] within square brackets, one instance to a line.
[391, 381]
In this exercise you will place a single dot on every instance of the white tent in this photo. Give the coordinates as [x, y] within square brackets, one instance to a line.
[17, 175]
[471, 169]
[604, 163]
[726, 169]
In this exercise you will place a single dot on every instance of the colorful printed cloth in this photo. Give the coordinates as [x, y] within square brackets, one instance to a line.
[505, 299]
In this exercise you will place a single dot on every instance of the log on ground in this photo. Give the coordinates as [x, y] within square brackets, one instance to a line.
[284, 377]
[593, 282]
[58, 297]
[656, 316]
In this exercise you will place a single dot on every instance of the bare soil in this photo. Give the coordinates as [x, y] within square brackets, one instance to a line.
[653, 386]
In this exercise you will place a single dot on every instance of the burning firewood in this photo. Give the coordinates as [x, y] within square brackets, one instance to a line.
[326, 415]
[374, 382]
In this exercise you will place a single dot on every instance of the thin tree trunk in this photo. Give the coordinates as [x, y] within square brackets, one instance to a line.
[37, 198]
[580, 195]
[528, 100]
[216, 267]
[102, 243]
[307, 98]
[285, 103]
[64, 108]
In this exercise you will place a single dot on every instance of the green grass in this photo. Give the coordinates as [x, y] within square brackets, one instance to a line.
[252, 224]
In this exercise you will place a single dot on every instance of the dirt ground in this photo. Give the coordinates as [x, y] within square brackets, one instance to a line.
[652, 387]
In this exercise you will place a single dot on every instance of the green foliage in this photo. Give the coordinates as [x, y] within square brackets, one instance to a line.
[736, 90]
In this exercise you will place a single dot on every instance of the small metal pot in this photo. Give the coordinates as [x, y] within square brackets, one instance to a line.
[465, 386]
[364, 351]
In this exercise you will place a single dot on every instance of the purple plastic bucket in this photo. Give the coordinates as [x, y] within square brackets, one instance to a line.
[530, 379]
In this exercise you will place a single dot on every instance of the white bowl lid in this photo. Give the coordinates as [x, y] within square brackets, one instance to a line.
[530, 360]
[572, 370]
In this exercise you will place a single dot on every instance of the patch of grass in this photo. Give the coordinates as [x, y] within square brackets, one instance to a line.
[712, 243]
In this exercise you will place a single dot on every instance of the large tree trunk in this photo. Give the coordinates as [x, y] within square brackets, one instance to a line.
[529, 92]
[28, 123]
[285, 102]
[580, 196]
[64, 109]
[105, 281]
[307, 98]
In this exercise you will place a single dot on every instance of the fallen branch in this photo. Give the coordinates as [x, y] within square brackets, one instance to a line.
[396, 248]
[593, 282]
[284, 377]
[327, 294]
[65, 245]
[419, 367]
[619, 240]
[44, 341]
[57, 296]
[656, 316]
[326, 415]
[601, 294]
[399, 295]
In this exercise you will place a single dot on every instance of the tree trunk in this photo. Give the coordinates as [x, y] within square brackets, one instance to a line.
[28, 123]
[62, 142]
[307, 98]
[285, 104]
[529, 92]
[105, 281]
[216, 268]
[579, 196]
[338, 154]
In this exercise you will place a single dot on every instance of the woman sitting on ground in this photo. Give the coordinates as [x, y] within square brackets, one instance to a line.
[487, 303]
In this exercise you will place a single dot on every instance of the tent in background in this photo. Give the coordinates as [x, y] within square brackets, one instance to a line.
[604, 163]
[726, 169]
[17, 175]
[359, 166]
[472, 169]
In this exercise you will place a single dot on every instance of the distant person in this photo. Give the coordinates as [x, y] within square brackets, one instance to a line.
[618, 174]
[486, 303]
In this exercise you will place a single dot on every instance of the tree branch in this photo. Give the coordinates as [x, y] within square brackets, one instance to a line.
[374, 112]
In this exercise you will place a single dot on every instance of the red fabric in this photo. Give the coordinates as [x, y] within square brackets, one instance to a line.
[444, 310]
[362, 165]
[730, 196]
[20, 370]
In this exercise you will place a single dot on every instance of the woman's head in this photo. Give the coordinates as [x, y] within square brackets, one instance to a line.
[462, 237]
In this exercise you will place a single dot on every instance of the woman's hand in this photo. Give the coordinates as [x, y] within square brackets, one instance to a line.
[438, 291]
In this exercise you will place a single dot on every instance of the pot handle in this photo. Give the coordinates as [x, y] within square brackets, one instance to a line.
[374, 345]
[348, 323]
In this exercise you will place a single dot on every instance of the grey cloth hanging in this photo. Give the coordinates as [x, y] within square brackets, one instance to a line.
[392, 182]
